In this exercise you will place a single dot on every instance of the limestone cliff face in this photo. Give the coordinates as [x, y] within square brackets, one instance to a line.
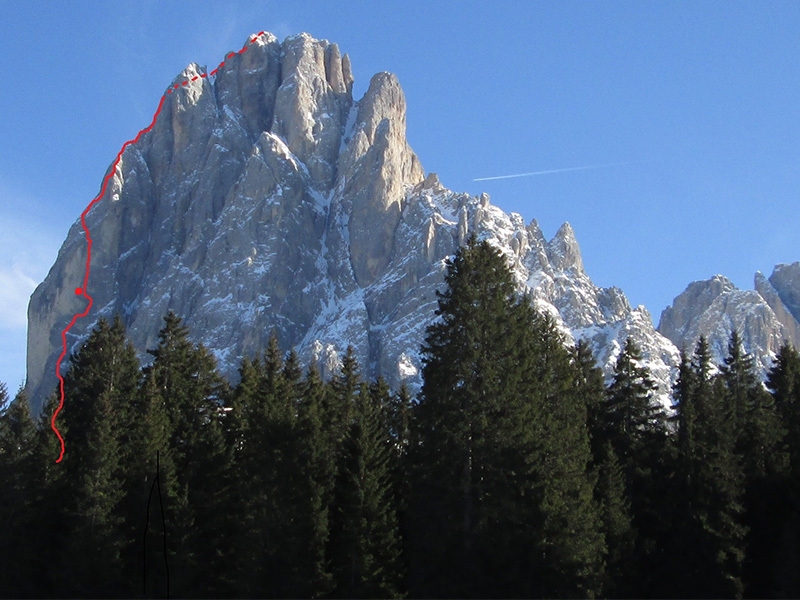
[375, 170]
[267, 198]
[765, 318]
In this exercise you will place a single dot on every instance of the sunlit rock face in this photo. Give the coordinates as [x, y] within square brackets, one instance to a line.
[765, 318]
[266, 198]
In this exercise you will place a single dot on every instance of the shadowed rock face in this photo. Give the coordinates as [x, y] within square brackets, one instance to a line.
[785, 280]
[266, 198]
[765, 317]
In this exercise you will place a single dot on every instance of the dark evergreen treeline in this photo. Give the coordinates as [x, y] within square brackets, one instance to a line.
[517, 472]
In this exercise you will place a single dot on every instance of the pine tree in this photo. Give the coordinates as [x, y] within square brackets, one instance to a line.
[365, 544]
[574, 546]
[51, 486]
[632, 416]
[99, 388]
[468, 393]
[635, 425]
[501, 494]
[708, 542]
[617, 527]
[610, 490]
[316, 471]
[784, 384]
[154, 494]
[20, 496]
[194, 395]
[755, 418]
[765, 460]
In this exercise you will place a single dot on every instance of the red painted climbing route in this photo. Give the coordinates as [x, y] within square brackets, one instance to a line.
[82, 291]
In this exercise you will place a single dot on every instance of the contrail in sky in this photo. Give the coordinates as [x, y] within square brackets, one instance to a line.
[552, 171]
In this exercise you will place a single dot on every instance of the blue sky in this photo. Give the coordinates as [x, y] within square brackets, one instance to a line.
[699, 101]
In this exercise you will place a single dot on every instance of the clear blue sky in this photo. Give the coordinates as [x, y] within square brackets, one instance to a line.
[700, 100]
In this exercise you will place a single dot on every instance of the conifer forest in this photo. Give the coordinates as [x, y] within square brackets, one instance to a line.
[517, 471]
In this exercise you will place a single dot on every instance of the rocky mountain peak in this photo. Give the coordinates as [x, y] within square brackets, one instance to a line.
[266, 198]
[563, 250]
[676, 320]
[312, 104]
[715, 308]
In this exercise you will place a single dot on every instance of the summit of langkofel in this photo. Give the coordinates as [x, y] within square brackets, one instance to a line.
[265, 198]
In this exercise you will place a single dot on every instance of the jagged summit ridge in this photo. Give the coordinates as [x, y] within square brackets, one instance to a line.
[268, 198]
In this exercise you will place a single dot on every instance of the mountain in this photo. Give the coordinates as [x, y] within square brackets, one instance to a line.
[765, 317]
[265, 198]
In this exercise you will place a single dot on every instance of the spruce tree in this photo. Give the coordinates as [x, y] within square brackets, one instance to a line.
[760, 443]
[35, 532]
[315, 474]
[606, 472]
[617, 526]
[708, 544]
[153, 489]
[339, 403]
[238, 571]
[573, 543]
[784, 384]
[50, 560]
[365, 545]
[399, 418]
[99, 387]
[400, 408]
[635, 425]
[275, 441]
[264, 476]
[632, 416]
[194, 395]
[755, 419]
[501, 495]
[471, 370]
[20, 497]
[589, 386]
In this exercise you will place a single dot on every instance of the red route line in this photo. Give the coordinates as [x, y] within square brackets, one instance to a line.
[81, 291]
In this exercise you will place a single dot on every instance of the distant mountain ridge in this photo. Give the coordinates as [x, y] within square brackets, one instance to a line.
[765, 317]
[266, 198]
